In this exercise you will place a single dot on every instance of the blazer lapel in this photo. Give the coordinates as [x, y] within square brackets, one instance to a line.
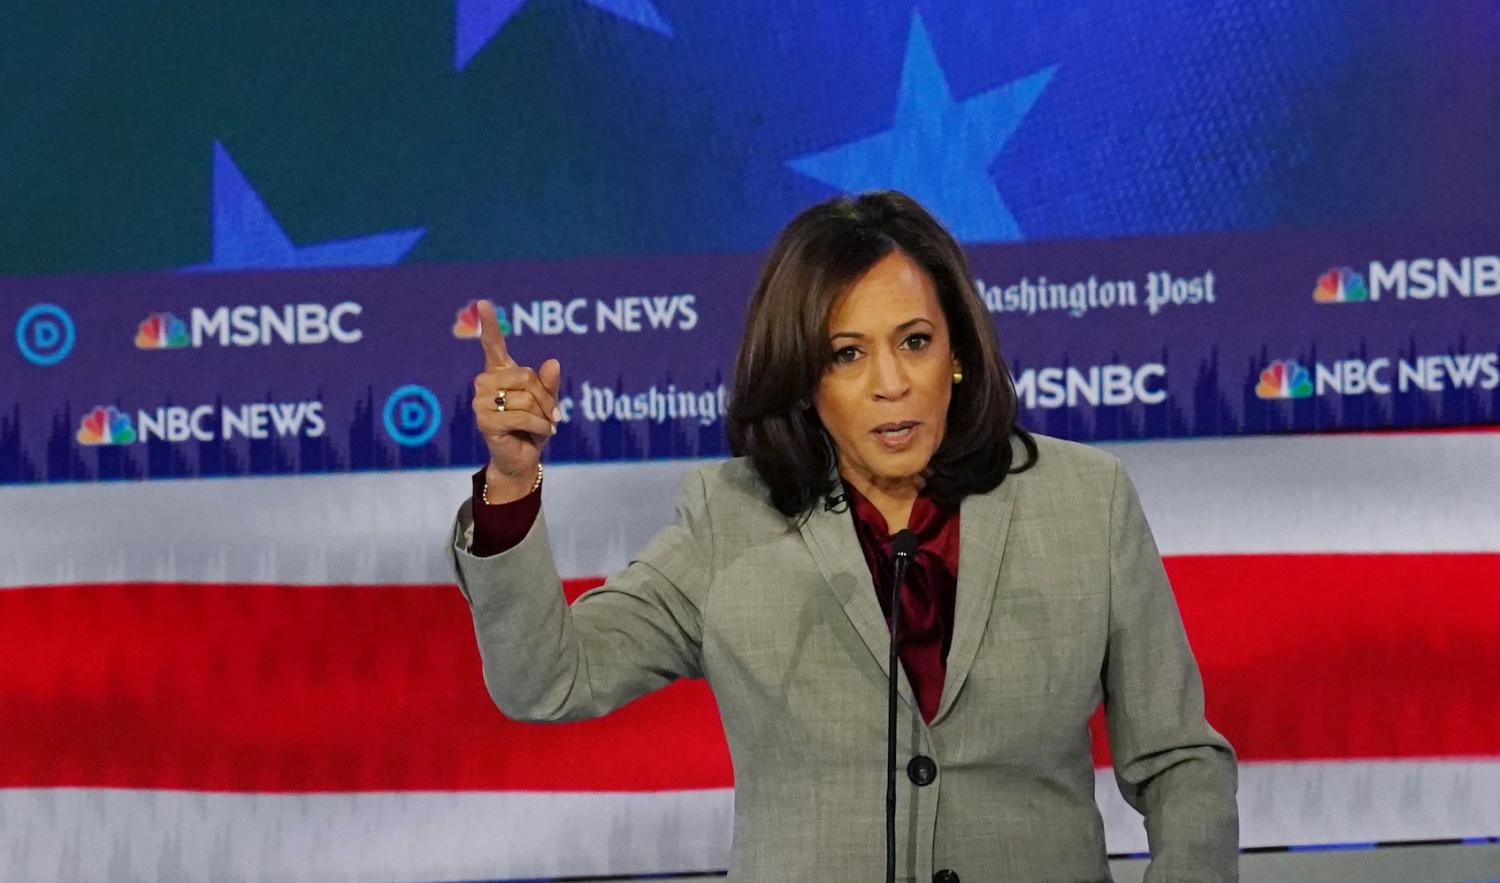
[830, 537]
[983, 523]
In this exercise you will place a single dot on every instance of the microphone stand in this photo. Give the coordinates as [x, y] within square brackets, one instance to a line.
[903, 546]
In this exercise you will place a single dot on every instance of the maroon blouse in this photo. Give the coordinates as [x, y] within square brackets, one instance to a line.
[926, 604]
[931, 587]
[503, 525]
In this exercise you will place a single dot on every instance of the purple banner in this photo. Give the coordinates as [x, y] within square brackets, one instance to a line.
[278, 372]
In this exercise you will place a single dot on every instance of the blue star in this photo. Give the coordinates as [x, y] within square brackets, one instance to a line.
[938, 150]
[476, 22]
[247, 236]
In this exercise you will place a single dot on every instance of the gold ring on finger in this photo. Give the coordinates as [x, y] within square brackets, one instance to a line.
[500, 400]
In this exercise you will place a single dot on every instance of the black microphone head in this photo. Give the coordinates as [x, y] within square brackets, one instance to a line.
[904, 543]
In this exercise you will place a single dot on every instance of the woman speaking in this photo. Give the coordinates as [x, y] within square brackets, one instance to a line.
[869, 396]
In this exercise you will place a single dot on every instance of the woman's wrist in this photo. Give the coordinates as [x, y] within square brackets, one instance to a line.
[502, 488]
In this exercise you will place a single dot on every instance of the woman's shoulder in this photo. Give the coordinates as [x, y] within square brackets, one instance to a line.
[1063, 465]
[733, 496]
[733, 482]
[733, 486]
[736, 480]
[1060, 453]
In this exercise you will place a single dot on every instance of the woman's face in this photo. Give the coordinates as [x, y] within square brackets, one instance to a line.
[884, 400]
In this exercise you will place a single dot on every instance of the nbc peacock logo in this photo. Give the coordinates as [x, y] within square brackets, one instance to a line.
[1341, 285]
[466, 322]
[105, 425]
[161, 331]
[1284, 379]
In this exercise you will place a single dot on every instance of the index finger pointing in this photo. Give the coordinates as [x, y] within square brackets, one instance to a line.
[490, 337]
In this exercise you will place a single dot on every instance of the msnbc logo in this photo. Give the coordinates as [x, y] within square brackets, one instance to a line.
[252, 325]
[1341, 285]
[105, 425]
[1284, 379]
[161, 331]
[466, 322]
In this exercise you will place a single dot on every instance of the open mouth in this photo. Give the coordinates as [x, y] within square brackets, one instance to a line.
[897, 433]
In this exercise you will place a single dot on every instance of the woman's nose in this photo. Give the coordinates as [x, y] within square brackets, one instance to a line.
[889, 377]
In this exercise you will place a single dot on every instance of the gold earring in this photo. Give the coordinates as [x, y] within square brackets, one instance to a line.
[958, 377]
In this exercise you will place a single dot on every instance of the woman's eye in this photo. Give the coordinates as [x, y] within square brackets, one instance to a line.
[918, 341]
[846, 354]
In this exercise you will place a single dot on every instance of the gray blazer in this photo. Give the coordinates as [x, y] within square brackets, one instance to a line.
[1062, 603]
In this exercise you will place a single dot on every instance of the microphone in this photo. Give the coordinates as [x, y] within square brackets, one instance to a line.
[904, 544]
[903, 547]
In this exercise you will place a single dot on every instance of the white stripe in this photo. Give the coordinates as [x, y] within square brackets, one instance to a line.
[1315, 802]
[86, 834]
[361, 529]
[115, 834]
[1411, 492]
[1345, 493]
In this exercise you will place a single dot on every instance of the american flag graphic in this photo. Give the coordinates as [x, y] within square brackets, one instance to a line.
[274, 678]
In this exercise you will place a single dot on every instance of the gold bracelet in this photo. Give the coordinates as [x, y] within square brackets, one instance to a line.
[484, 492]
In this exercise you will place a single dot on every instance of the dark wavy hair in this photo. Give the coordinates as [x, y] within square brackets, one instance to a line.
[819, 255]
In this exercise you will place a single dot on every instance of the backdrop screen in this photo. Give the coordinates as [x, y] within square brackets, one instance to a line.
[1258, 241]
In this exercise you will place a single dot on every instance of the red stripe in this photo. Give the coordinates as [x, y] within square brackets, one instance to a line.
[1347, 656]
[271, 688]
[257, 688]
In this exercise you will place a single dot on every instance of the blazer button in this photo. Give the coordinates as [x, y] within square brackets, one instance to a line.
[945, 876]
[921, 770]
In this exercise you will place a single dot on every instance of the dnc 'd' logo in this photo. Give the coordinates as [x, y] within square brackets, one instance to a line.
[45, 334]
[466, 321]
[161, 331]
[1341, 285]
[412, 415]
[1284, 379]
[105, 425]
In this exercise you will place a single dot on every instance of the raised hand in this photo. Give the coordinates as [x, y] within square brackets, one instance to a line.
[515, 436]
